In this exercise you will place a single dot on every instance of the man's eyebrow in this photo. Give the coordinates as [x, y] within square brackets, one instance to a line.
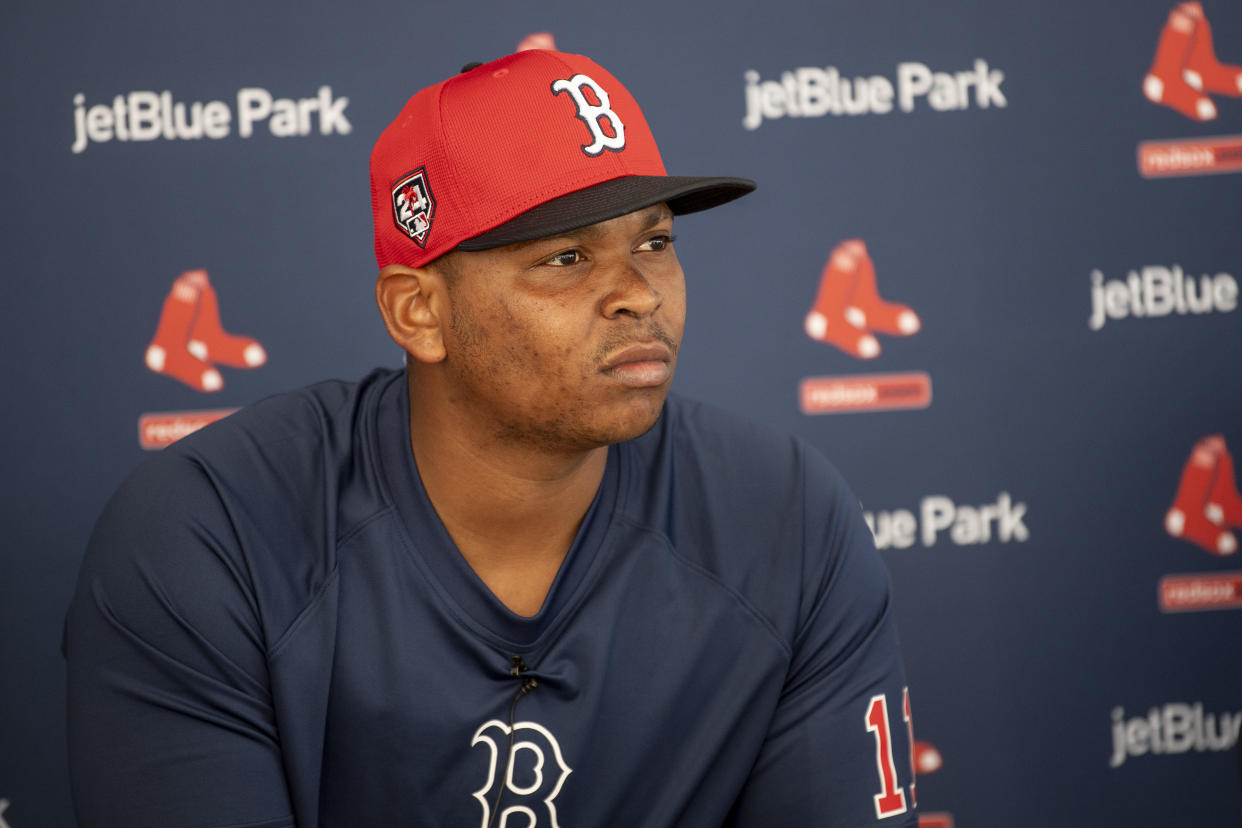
[657, 214]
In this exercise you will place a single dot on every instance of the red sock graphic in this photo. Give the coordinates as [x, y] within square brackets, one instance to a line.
[1203, 71]
[830, 319]
[927, 758]
[1165, 83]
[168, 352]
[869, 310]
[209, 341]
[1187, 518]
[537, 40]
[1224, 504]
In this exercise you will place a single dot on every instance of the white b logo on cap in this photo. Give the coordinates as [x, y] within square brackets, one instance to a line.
[592, 113]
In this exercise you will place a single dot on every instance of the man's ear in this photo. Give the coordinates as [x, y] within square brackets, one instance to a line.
[413, 302]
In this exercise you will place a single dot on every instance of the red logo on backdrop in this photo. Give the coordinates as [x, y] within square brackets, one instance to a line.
[1207, 504]
[537, 40]
[1205, 511]
[1184, 75]
[1185, 69]
[1207, 591]
[927, 760]
[1190, 156]
[188, 345]
[865, 392]
[159, 429]
[848, 310]
[189, 340]
[847, 314]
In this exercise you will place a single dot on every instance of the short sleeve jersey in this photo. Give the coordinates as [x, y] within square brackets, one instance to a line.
[272, 627]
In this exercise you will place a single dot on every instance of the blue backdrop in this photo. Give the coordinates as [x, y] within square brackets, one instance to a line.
[1047, 460]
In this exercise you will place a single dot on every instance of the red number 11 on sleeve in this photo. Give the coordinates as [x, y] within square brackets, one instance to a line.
[891, 800]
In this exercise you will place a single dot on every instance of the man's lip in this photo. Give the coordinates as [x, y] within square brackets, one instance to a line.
[653, 352]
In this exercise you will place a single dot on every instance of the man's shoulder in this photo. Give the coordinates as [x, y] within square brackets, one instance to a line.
[287, 457]
[735, 448]
[761, 510]
[269, 468]
[706, 469]
[266, 491]
[302, 421]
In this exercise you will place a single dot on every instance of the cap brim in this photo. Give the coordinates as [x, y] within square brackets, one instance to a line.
[607, 200]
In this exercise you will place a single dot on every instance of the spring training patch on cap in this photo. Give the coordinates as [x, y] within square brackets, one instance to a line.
[413, 205]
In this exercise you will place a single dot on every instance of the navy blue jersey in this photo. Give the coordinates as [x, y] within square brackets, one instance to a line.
[272, 627]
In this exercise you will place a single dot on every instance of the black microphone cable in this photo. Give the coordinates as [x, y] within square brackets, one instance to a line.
[528, 683]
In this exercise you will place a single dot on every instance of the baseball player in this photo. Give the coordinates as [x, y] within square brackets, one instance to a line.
[516, 583]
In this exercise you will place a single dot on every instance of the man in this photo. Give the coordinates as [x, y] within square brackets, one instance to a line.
[513, 585]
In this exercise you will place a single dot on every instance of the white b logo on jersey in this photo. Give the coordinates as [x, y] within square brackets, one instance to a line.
[592, 113]
[540, 781]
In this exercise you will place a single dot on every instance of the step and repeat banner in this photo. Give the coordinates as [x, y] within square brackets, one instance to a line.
[991, 271]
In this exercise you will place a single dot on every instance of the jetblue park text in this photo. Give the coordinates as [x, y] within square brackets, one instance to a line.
[812, 92]
[1159, 291]
[1171, 729]
[144, 115]
[1003, 521]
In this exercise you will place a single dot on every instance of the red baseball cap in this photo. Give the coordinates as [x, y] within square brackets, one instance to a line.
[527, 146]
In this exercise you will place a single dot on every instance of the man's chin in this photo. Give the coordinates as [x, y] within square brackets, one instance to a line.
[614, 422]
[641, 418]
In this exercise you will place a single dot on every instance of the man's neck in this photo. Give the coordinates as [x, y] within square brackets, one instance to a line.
[512, 509]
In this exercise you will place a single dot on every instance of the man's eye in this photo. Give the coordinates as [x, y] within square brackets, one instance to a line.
[657, 243]
[565, 259]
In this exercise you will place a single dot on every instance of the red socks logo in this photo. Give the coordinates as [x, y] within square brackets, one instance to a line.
[537, 40]
[189, 337]
[927, 759]
[1207, 499]
[1185, 66]
[848, 308]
